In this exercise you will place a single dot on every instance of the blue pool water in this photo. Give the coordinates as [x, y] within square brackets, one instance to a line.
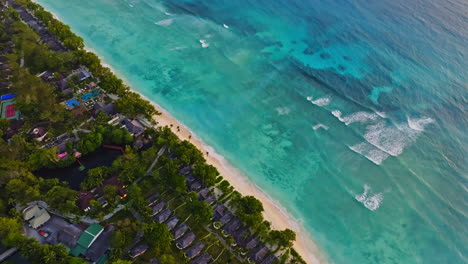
[85, 97]
[352, 114]
[72, 103]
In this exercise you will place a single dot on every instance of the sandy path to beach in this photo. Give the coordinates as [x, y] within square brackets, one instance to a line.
[273, 212]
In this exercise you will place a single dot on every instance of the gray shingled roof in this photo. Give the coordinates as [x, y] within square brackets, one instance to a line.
[194, 250]
[180, 231]
[186, 240]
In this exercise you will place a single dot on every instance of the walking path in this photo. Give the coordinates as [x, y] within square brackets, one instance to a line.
[7, 254]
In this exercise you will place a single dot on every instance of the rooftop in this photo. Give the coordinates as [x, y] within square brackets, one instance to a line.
[194, 250]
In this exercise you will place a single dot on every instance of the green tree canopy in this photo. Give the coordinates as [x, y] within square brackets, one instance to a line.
[283, 238]
[158, 237]
[206, 173]
[201, 210]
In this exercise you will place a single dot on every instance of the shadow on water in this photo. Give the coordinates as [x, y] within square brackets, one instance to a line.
[72, 174]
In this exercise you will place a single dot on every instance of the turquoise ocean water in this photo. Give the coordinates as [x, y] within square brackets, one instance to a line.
[352, 114]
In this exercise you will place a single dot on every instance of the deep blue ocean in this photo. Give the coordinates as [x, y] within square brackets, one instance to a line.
[353, 114]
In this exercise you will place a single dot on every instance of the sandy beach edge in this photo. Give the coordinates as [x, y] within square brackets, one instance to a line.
[276, 214]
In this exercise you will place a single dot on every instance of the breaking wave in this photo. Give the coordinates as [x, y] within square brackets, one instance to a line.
[320, 126]
[321, 101]
[360, 117]
[419, 124]
[372, 202]
[204, 43]
[372, 153]
[283, 110]
[164, 22]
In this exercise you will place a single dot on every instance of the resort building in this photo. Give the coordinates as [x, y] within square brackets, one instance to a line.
[172, 222]
[36, 216]
[163, 216]
[86, 239]
[83, 75]
[138, 250]
[109, 109]
[180, 231]
[194, 250]
[203, 259]
[186, 241]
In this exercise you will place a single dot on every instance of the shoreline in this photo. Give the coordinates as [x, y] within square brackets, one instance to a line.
[274, 213]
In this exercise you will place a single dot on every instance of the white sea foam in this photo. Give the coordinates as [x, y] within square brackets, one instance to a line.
[419, 124]
[204, 43]
[360, 117]
[283, 110]
[337, 114]
[320, 126]
[321, 101]
[167, 14]
[179, 48]
[390, 139]
[225, 26]
[363, 196]
[164, 22]
[372, 153]
[381, 114]
[371, 202]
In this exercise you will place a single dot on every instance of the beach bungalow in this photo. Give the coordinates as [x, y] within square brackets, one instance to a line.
[219, 211]
[194, 250]
[158, 207]
[112, 181]
[203, 259]
[36, 216]
[172, 222]
[87, 238]
[232, 226]
[62, 85]
[133, 126]
[241, 236]
[138, 250]
[226, 218]
[258, 254]
[211, 199]
[163, 216]
[270, 259]
[109, 109]
[180, 231]
[84, 199]
[196, 185]
[252, 243]
[185, 241]
[190, 178]
[83, 75]
[152, 198]
[185, 170]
